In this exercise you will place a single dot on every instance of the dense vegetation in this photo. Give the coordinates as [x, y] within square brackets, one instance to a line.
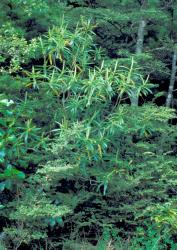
[88, 124]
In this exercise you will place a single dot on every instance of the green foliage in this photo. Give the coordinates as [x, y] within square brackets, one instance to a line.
[14, 48]
[17, 138]
[79, 165]
[112, 144]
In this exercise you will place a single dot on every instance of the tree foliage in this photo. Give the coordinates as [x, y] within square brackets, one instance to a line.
[79, 166]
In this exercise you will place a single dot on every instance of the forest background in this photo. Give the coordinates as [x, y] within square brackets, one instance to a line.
[88, 124]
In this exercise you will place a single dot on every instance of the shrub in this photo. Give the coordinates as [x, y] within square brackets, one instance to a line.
[113, 161]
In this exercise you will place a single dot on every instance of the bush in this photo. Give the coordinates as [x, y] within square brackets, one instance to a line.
[108, 165]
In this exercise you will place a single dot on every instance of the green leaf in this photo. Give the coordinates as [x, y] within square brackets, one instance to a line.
[12, 173]
[2, 154]
[2, 186]
[59, 220]
[52, 222]
[21, 175]
[105, 187]
[2, 122]
[8, 184]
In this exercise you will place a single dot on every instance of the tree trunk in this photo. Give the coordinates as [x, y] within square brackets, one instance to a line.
[139, 49]
[172, 80]
[140, 38]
